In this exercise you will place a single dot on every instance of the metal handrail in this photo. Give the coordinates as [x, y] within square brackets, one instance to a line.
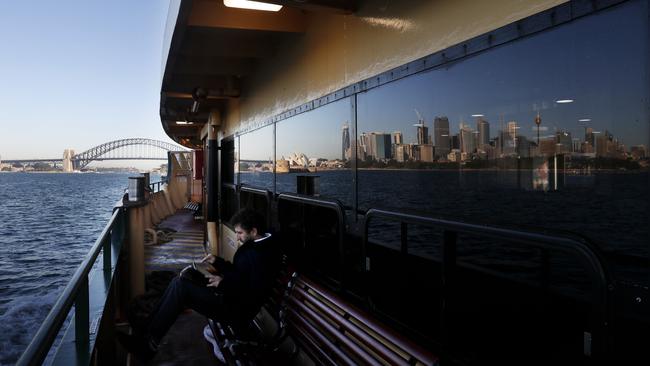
[73, 293]
[586, 253]
[334, 205]
[157, 185]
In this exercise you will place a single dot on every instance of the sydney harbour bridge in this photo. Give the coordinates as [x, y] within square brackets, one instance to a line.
[125, 149]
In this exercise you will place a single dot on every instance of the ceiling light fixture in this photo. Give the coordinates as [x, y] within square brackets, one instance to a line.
[564, 101]
[253, 5]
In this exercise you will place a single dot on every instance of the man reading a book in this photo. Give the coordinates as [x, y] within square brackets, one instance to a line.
[234, 294]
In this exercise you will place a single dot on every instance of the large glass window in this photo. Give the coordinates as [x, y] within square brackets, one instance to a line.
[317, 144]
[550, 132]
[256, 158]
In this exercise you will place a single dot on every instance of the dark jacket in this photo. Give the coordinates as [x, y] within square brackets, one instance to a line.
[248, 280]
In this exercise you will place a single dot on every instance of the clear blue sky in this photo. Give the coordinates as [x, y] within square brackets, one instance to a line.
[78, 73]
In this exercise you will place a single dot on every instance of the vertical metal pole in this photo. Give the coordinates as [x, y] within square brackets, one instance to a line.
[82, 316]
[107, 251]
[136, 250]
[212, 183]
[354, 154]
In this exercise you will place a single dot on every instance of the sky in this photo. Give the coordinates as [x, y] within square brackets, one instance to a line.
[79, 73]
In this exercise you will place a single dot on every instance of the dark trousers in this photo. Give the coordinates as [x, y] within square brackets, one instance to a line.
[180, 295]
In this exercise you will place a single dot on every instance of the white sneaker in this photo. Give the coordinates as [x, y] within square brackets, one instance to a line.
[207, 334]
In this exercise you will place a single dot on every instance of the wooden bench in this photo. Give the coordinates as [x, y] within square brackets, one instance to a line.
[333, 332]
[249, 344]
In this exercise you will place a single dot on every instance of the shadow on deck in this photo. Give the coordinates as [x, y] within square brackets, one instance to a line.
[184, 343]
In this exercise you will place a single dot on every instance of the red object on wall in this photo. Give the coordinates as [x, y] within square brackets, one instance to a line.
[197, 160]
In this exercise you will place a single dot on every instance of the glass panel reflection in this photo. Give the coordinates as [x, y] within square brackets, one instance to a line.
[317, 144]
[256, 156]
[550, 132]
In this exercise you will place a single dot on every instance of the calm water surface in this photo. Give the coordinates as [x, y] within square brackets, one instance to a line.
[48, 223]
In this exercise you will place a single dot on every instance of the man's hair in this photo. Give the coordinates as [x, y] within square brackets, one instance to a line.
[247, 219]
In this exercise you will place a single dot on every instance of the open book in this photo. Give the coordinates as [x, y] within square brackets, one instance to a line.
[205, 268]
[197, 271]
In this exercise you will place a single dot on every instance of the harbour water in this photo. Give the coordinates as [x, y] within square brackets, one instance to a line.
[48, 223]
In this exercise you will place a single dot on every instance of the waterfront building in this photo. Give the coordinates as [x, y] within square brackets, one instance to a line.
[379, 145]
[422, 133]
[575, 145]
[345, 142]
[548, 146]
[398, 138]
[483, 128]
[400, 154]
[564, 141]
[589, 136]
[467, 139]
[455, 142]
[441, 136]
[425, 153]
[454, 155]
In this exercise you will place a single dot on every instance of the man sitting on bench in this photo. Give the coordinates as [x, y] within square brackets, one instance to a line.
[233, 296]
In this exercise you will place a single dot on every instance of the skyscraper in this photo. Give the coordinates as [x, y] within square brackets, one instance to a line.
[441, 136]
[467, 142]
[380, 145]
[422, 133]
[483, 128]
[345, 142]
[397, 138]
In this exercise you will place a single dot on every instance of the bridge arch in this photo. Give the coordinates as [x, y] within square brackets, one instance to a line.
[81, 160]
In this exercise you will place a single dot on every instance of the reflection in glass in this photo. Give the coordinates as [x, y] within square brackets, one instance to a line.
[256, 156]
[317, 143]
[548, 132]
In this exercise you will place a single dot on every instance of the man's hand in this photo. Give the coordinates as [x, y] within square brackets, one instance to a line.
[209, 258]
[213, 280]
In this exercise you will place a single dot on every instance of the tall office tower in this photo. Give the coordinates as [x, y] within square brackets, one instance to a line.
[372, 145]
[455, 142]
[362, 149]
[397, 138]
[512, 130]
[422, 133]
[483, 128]
[467, 140]
[380, 145]
[563, 139]
[441, 136]
[575, 144]
[345, 142]
[589, 136]
[400, 153]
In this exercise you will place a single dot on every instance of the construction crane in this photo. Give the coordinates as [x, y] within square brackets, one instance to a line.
[420, 119]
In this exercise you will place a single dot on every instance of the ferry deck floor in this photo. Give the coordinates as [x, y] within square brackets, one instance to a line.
[184, 343]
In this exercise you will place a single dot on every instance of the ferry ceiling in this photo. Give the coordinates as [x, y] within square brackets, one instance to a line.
[213, 48]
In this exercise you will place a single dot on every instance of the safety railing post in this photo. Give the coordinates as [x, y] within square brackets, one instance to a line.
[107, 253]
[81, 315]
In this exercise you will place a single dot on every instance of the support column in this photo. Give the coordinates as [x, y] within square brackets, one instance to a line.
[212, 183]
[136, 250]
